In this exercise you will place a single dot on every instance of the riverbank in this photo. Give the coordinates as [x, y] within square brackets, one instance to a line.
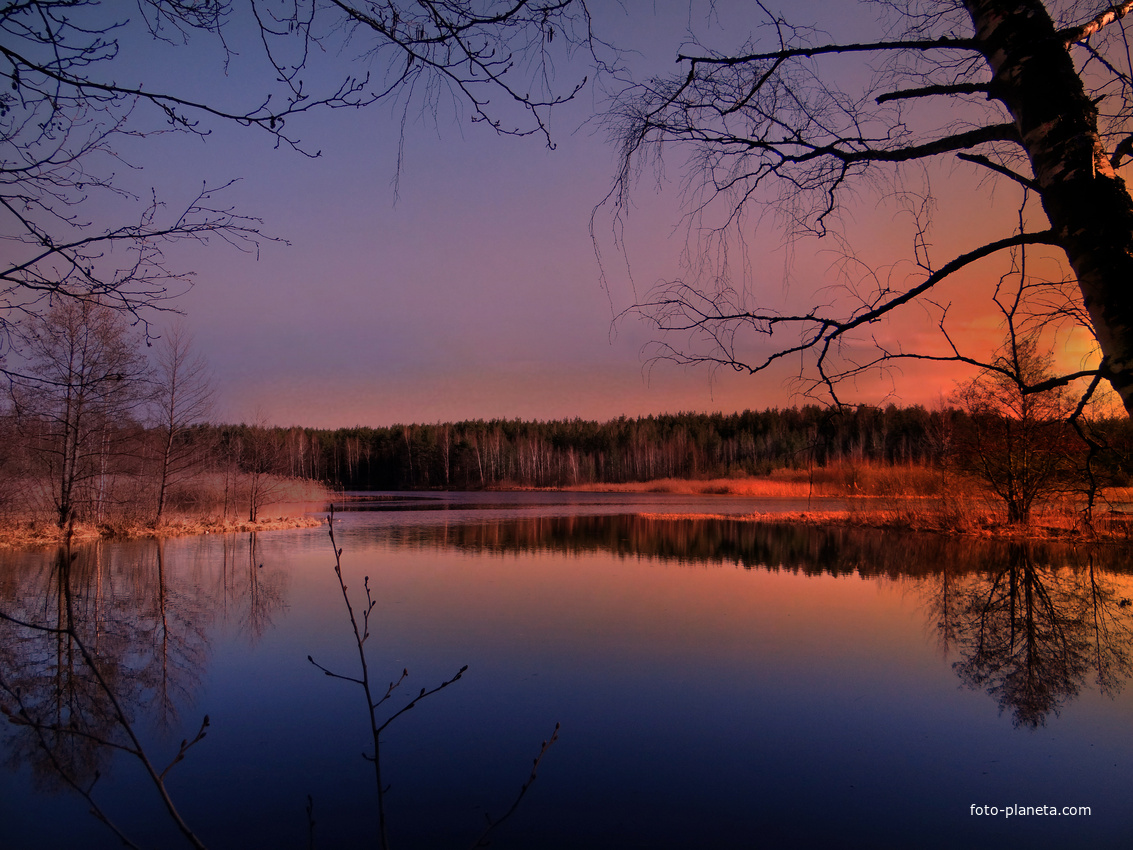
[899, 499]
[896, 499]
[208, 504]
[835, 481]
[33, 534]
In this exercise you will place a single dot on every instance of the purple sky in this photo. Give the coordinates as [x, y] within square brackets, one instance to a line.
[474, 294]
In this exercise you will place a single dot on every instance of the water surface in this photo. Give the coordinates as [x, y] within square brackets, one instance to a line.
[719, 683]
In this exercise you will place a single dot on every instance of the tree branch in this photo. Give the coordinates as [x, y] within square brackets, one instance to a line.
[1124, 148]
[930, 91]
[688, 310]
[978, 159]
[1115, 13]
[484, 839]
[835, 49]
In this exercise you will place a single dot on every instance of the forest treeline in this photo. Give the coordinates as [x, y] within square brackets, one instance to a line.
[561, 453]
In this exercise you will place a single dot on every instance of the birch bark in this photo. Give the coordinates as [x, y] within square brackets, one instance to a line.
[1088, 204]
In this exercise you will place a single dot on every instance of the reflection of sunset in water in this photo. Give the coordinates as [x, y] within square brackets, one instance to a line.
[712, 679]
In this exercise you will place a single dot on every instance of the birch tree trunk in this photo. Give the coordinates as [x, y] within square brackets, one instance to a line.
[1088, 204]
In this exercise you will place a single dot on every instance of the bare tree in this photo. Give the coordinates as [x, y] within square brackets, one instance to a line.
[84, 380]
[261, 460]
[1035, 96]
[1019, 443]
[182, 398]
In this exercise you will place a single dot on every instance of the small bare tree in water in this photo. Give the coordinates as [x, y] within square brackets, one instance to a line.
[257, 452]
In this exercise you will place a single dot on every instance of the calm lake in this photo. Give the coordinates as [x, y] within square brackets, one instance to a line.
[719, 683]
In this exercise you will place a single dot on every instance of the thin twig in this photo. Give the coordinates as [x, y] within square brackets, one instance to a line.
[483, 840]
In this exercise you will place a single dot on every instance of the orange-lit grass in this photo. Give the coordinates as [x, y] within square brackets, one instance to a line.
[841, 481]
[1118, 495]
[900, 497]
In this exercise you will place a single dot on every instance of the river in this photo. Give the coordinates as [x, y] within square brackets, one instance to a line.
[717, 682]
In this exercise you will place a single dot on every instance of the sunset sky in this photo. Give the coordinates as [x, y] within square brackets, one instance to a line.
[475, 290]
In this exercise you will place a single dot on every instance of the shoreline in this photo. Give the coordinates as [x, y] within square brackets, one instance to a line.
[28, 535]
[961, 513]
[968, 515]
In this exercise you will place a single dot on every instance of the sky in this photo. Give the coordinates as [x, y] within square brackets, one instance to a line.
[474, 289]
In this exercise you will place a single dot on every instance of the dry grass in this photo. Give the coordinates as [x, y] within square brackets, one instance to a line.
[34, 534]
[1118, 495]
[845, 481]
[901, 498]
[765, 488]
[198, 510]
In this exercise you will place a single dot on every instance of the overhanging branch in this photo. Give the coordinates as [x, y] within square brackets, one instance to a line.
[688, 310]
[835, 49]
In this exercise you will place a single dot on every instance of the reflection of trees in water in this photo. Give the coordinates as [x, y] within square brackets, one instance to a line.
[1031, 634]
[143, 625]
[1028, 632]
[179, 639]
[145, 633]
[45, 671]
[796, 548]
[250, 591]
[752, 545]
